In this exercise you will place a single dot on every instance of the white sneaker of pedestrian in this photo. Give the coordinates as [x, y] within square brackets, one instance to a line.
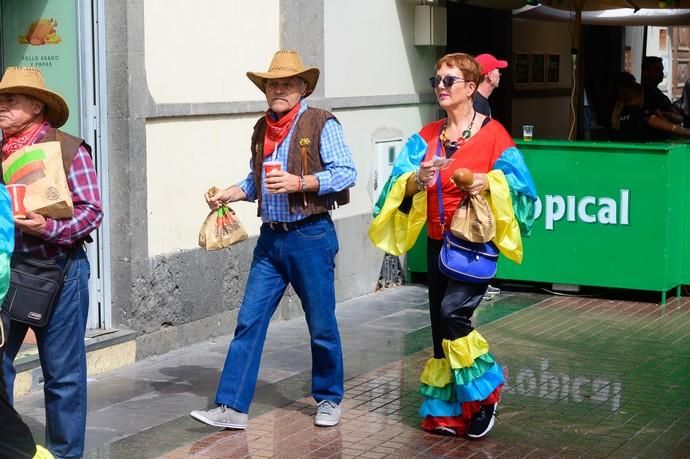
[221, 416]
[327, 414]
[491, 290]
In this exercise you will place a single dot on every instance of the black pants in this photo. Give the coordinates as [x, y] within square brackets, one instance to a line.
[16, 441]
[451, 303]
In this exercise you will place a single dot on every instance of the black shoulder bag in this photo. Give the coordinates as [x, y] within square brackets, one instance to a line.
[35, 284]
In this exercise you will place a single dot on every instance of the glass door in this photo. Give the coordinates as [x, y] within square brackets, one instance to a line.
[63, 39]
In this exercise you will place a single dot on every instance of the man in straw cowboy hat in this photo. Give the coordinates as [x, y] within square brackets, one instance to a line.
[30, 113]
[297, 243]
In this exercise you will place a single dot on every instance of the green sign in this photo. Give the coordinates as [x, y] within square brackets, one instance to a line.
[609, 215]
[43, 34]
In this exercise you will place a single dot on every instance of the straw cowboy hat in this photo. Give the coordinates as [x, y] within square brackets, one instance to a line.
[28, 81]
[286, 64]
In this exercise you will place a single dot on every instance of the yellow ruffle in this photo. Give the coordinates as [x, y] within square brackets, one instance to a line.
[42, 453]
[436, 373]
[395, 231]
[507, 239]
[463, 351]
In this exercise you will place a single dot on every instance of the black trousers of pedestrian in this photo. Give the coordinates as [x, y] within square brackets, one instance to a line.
[16, 441]
[451, 303]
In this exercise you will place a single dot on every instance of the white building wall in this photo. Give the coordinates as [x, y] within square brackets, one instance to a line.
[362, 128]
[185, 157]
[204, 61]
[199, 51]
[366, 55]
[370, 51]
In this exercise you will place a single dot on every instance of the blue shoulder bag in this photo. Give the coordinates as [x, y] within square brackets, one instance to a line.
[465, 261]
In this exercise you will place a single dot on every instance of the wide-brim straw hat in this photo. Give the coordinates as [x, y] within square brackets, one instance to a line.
[286, 64]
[29, 81]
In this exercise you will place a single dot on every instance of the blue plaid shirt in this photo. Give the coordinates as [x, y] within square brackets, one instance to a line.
[339, 172]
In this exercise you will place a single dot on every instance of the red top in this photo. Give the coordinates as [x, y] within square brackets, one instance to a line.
[478, 153]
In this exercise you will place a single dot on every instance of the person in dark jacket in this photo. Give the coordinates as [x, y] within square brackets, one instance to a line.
[630, 121]
[655, 101]
[491, 78]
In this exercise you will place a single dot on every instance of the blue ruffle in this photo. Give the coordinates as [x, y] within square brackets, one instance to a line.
[522, 189]
[6, 222]
[514, 168]
[6, 240]
[480, 388]
[436, 407]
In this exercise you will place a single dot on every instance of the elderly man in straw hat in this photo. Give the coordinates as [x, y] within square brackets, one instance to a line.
[297, 243]
[30, 113]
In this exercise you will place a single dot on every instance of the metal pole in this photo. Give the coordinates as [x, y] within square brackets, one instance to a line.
[575, 94]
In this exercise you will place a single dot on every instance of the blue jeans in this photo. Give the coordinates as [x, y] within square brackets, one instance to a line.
[62, 353]
[305, 258]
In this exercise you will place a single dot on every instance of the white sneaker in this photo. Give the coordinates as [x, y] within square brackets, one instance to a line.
[443, 430]
[327, 414]
[491, 290]
[222, 416]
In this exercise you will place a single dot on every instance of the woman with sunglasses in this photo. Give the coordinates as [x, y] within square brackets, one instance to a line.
[461, 384]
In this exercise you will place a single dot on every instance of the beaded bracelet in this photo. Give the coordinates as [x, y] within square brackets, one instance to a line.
[302, 182]
[420, 185]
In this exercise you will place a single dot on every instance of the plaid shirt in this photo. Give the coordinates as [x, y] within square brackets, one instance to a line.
[59, 235]
[338, 173]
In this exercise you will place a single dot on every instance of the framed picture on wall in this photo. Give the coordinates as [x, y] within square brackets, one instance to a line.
[537, 68]
[553, 68]
[521, 68]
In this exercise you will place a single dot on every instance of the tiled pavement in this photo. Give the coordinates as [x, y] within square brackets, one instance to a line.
[586, 378]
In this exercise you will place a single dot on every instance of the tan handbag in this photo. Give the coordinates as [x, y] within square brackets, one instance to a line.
[473, 220]
[221, 228]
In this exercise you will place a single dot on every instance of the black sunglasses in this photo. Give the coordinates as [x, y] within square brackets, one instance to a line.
[448, 81]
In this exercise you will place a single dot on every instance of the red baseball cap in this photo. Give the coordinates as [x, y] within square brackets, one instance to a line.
[487, 63]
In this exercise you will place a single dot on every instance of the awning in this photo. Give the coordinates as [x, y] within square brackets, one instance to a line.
[619, 16]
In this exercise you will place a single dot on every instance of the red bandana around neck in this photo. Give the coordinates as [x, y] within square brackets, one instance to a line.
[277, 130]
[21, 139]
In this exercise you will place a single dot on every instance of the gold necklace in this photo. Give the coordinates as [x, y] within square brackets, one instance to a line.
[451, 146]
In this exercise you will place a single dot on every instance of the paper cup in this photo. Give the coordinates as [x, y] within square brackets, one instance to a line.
[17, 193]
[272, 166]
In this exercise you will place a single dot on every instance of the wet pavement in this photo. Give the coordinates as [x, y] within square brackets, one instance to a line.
[587, 377]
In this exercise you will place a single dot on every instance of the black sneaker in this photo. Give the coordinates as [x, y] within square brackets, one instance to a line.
[482, 422]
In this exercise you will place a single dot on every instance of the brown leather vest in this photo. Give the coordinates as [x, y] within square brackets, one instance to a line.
[309, 126]
[69, 145]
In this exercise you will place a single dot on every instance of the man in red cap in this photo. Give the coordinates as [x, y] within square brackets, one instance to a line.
[490, 67]
[491, 76]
